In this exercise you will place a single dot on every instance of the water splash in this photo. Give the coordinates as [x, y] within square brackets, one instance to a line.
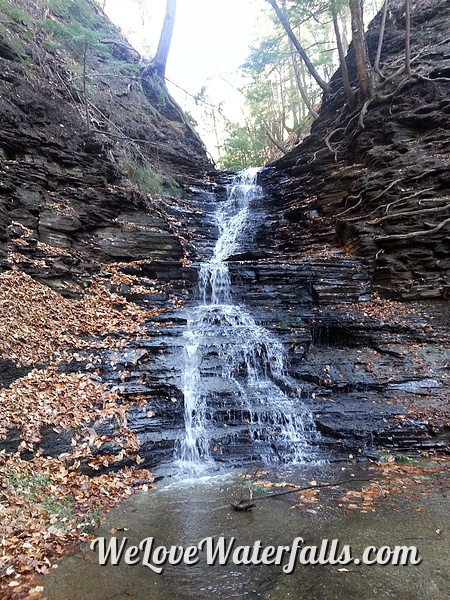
[234, 369]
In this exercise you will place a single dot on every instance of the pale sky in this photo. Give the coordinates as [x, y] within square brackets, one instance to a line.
[211, 40]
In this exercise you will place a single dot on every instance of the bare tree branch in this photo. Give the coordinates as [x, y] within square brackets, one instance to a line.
[302, 489]
[278, 144]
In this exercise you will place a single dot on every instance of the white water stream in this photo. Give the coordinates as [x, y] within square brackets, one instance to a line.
[234, 368]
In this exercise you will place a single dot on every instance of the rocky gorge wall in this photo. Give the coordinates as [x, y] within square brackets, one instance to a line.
[373, 372]
[364, 320]
[84, 144]
[347, 259]
[88, 146]
[364, 201]
[379, 186]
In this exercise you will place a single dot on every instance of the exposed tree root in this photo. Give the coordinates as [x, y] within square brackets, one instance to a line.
[399, 201]
[412, 234]
[363, 113]
[351, 207]
[393, 203]
[391, 185]
[328, 138]
[434, 78]
[407, 213]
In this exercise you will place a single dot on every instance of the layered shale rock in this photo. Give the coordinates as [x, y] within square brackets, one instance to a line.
[83, 146]
[376, 194]
[380, 187]
[361, 311]
[88, 145]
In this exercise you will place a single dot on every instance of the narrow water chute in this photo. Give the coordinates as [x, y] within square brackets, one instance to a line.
[234, 369]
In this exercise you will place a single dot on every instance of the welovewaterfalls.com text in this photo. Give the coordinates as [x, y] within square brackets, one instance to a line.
[223, 551]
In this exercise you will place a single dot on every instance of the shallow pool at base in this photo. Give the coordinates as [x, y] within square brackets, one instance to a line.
[183, 513]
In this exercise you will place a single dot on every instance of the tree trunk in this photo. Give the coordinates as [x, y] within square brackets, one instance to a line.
[363, 66]
[285, 23]
[381, 37]
[408, 38]
[301, 89]
[344, 71]
[278, 144]
[160, 60]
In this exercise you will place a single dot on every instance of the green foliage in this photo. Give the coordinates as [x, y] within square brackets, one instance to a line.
[18, 47]
[75, 25]
[36, 489]
[149, 181]
[402, 458]
[254, 488]
[159, 92]
[28, 485]
[244, 147]
[275, 105]
[130, 70]
[12, 22]
[58, 512]
[145, 178]
[79, 11]
[172, 187]
[13, 13]
[398, 458]
[49, 45]
[90, 520]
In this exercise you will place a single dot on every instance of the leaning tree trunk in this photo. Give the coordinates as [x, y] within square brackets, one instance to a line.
[286, 26]
[160, 61]
[381, 38]
[300, 87]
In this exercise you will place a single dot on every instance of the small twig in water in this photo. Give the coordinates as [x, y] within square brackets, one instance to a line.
[247, 506]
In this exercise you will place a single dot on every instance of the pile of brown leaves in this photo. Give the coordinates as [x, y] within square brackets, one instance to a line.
[45, 509]
[46, 504]
[38, 324]
[383, 311]
[46, 397]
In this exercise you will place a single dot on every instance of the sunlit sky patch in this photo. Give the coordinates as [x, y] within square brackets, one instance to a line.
[211, 40]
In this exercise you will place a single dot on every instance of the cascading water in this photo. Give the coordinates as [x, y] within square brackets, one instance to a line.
[234, 378]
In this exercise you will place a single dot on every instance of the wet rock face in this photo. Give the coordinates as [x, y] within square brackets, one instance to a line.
[373, 373]
[360, 367]
[381, 194]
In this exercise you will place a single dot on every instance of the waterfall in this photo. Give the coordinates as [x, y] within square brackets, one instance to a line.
[235, 401]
